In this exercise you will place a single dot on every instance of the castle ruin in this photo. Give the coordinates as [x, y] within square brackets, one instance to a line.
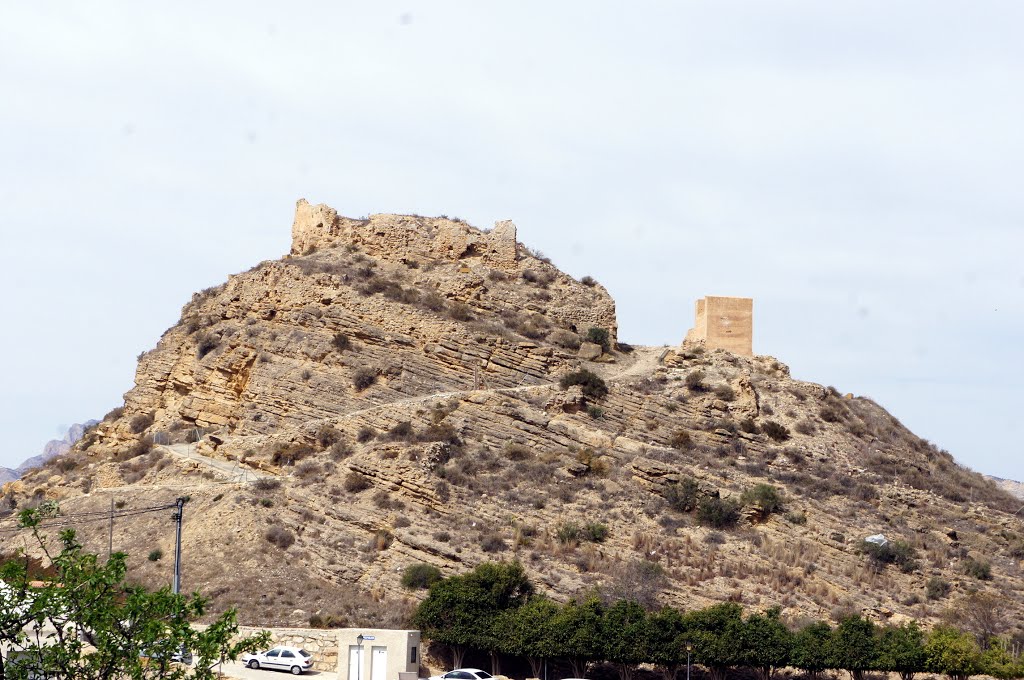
[399, 237]
[723, 323]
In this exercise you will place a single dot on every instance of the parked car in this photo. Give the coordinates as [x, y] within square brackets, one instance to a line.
[463, 674]
[157, 653]
[281, 658]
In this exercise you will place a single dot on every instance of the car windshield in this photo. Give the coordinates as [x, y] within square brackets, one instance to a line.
[304, 653]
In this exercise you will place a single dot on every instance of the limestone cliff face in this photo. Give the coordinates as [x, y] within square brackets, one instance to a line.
[425, 306]
[394, 383]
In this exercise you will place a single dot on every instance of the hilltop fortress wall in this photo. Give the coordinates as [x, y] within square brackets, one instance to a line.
[412, 238]
[403, 237]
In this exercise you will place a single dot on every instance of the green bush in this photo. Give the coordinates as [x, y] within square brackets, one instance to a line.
[796, 517]
[598, 336]
[568, 533]
[776, 431]
[420, 576]
[718, 513]
[763, 497]
[155, 555]
[683, 495]
[936, 588]
[593, 386]
[978, 569]
[900, 553]
[595, 532]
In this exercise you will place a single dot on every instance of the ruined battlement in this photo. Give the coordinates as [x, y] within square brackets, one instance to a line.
[403, 237]
[723, 323]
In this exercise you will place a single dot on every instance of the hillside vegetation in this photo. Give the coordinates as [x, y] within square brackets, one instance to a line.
[352, 409]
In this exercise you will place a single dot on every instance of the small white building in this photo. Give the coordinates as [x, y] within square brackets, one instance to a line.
[378, 654]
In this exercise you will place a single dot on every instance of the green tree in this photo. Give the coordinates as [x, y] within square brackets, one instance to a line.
[576, 633]
[952, 652]
[811, 648]
[853, 646]
[420, 575]
[765, 642]
[684, 494]
[623, 636]
[713, 631]
[998, 662]
[86, 623]
[665, 645]
[461, 611]
[901, 650]
[527, 631]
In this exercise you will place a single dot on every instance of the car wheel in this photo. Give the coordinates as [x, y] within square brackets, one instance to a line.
[296, 670]
[254, 664]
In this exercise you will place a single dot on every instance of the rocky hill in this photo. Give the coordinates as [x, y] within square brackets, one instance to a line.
[1012, 486]
[402, 389]
[52, 449]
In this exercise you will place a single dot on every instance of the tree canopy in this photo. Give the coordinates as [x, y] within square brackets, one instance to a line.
[85, 623]
[493, 609]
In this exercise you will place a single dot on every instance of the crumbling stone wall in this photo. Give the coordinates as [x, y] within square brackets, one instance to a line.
[723, 323]
[403, 237]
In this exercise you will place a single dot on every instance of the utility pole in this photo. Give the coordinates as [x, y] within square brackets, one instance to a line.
[110, 537]
[179, 509]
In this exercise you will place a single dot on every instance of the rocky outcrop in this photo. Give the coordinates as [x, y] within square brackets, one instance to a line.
[394, 386]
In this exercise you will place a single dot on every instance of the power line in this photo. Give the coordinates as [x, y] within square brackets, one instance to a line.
[90, 517]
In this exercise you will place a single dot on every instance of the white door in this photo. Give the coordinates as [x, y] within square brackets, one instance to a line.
[379, 664]
[355, 655]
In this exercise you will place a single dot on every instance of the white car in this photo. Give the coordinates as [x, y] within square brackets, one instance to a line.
[463, 674]
[281, 658]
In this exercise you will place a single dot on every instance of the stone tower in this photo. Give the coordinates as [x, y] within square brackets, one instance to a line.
[724, 323]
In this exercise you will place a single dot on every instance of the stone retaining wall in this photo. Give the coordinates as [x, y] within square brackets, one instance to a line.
[322, 644]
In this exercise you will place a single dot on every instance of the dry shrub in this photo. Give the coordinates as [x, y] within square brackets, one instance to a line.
[355, 482]
[364, 378]
[140, 422]
[564, 338]
[279, 536]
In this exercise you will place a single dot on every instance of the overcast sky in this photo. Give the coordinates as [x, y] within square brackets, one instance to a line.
[855, 167]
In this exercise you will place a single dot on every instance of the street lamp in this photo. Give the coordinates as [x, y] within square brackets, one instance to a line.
[689, 650]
